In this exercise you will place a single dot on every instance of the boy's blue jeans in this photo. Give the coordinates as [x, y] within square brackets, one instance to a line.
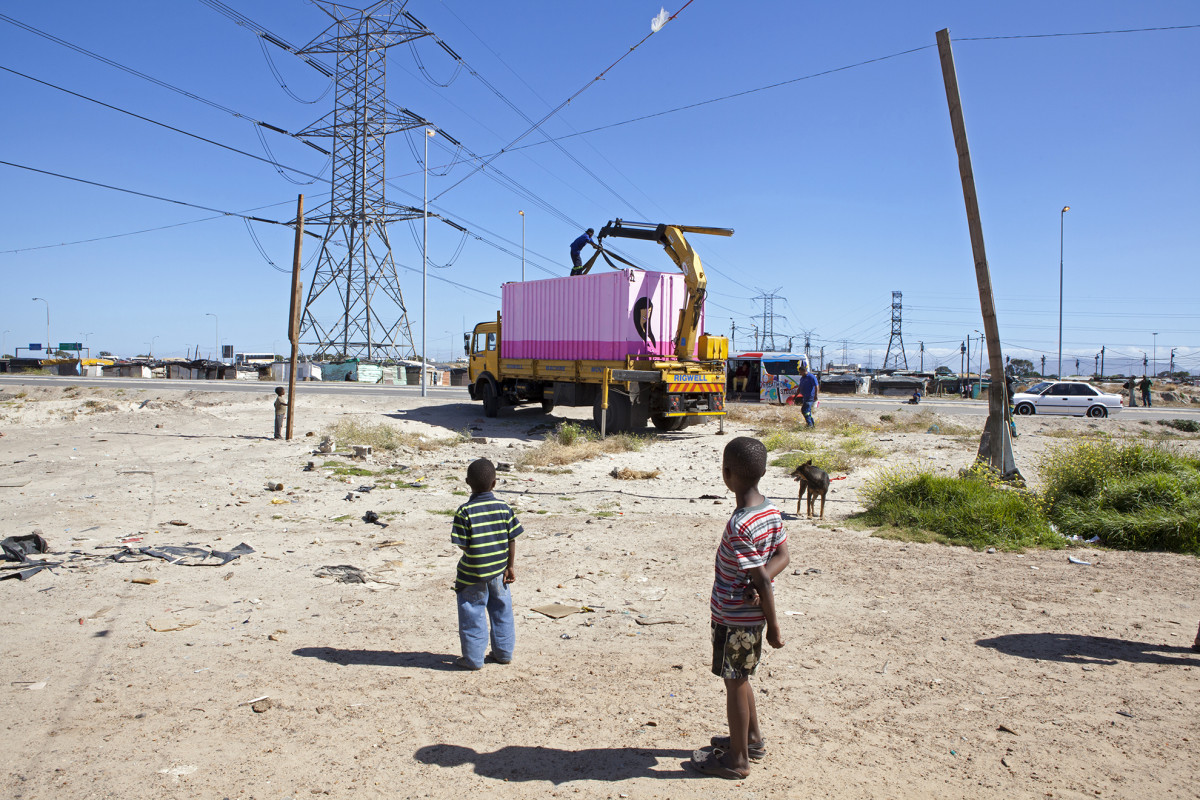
[476, 604]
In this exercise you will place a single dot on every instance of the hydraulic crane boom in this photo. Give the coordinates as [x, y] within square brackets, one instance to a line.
[672, 239]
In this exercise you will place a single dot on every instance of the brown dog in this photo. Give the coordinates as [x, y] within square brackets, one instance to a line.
[816, 481]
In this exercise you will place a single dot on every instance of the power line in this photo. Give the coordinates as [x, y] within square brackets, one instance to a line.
[169, 86]
[270, 161]
[152, 196]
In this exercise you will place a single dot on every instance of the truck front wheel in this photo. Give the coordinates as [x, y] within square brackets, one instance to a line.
[491, 401]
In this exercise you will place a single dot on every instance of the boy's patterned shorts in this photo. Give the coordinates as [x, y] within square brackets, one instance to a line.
[736, 651]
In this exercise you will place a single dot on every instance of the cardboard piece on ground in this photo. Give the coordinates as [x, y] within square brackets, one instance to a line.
[657, 621]
[163, 624]
[14, 483]
[557, 610]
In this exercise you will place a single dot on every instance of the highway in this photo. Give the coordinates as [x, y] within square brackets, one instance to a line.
[458, 394]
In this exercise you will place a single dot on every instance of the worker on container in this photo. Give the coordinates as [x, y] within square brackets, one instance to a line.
[577, 248]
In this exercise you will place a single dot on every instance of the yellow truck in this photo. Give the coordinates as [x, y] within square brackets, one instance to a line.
[627, 343]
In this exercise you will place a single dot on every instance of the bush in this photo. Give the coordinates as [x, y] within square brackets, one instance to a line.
[1134, 497]
[975, 510]
[571, 442]
[1185, 425]
[384, 437]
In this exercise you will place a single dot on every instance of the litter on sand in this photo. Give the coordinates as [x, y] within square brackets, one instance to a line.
[557, 610]
[1079, 561]
[185, 556]
[164, 624]
[342, 573]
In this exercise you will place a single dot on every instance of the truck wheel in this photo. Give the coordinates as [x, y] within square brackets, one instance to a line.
[669, 423]
[618, 413]
[547, 406]
[491, 401]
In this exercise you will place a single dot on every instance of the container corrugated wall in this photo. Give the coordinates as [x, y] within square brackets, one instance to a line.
[605, 316]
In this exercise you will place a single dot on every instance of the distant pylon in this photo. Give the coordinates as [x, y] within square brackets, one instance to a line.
[355, 307]
[769, 317]
[895, 348]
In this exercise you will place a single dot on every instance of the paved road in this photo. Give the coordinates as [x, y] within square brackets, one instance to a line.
[458, 394]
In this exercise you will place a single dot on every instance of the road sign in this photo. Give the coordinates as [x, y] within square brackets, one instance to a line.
[70, 345]
[226, 351]
[35, 346]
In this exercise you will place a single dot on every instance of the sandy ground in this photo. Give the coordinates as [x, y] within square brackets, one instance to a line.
[910, 670]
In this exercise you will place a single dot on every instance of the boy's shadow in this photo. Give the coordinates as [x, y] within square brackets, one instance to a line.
[379, 658]
[1076, 649]
[556, 766]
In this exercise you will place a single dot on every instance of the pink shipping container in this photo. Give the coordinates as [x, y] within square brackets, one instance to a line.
[605, 316]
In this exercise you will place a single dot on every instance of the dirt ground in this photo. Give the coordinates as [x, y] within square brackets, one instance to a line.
[910, 670]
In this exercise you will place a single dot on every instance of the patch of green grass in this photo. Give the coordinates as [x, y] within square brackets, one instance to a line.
[343, 518]
[346, 469]
[449, 512]
[605, 514]
[460, 493]
[1134, 497]
[1185, 425]
[840, 454]
[974, 510]
[277, 516]
[541, 511]
[555, 470]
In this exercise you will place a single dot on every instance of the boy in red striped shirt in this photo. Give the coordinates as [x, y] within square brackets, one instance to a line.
[752, 552]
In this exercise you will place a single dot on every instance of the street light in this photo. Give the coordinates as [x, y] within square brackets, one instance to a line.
[1061, 215]
[153, 339]
[47, 302]
[522, 213]
[1155, 373]
[216, 333]
[980, 361]
[429, 134]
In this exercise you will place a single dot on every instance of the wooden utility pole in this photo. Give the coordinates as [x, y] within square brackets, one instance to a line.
[294, 317]
[995, 444]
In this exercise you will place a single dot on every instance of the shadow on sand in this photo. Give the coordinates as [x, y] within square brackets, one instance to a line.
[556, 766]
[1073, 648]
[380, 658]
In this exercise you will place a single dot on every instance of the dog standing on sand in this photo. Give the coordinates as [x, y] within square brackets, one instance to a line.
[816, 481]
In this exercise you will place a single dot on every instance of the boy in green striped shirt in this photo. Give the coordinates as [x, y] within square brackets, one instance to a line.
[485, 528]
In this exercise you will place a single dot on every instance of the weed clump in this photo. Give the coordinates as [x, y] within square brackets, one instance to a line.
[1185, 425]
[570, 442]
[382, 436]
[1134, 497]
[975, 510]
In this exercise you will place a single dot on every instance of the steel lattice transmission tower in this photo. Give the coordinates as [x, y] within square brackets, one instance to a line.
[769, 317]
[355, 307]
[896, 339]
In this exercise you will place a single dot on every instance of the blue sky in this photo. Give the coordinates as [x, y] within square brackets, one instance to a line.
[841, 188]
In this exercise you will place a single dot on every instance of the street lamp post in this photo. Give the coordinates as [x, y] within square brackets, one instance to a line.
[1061, 215]
[522, 213]
[1155, 372]
[47, 302]
[216, 333]
[153, 339]
[429, 134]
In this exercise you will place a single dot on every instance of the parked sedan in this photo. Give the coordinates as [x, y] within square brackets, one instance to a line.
[1066, 397]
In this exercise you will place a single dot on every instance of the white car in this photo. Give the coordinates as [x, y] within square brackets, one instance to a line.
[1066, 397]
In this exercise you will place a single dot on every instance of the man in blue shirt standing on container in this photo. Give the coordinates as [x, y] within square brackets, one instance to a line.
[806, 392]
[577, 248]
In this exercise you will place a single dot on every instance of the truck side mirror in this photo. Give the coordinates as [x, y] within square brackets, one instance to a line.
[467, 343]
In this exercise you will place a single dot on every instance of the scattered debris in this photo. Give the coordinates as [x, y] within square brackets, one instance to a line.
[1079, 561]
[557, 610]
[710, 497]
[655, 621]
[1006, 729]
[627, 474]
[185, 556]
[504, 466]
[326, 445]
[261, 705]
[372, 518]
[309, 467]
[274, 487]
[178, 523]
[342, 573]
[991, 550]
[255, 700]
[19, 548]
[389, 543]
[361, 451]
[1125, 714]
[144, 581]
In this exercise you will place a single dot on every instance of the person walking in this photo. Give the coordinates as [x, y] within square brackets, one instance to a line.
[806, 391]
[1144, 384]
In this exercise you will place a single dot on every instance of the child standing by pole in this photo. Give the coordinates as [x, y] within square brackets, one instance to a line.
[280, 412]
[752, 552]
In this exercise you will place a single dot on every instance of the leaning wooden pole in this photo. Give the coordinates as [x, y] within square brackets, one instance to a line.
[995, 444]
[294, 317]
